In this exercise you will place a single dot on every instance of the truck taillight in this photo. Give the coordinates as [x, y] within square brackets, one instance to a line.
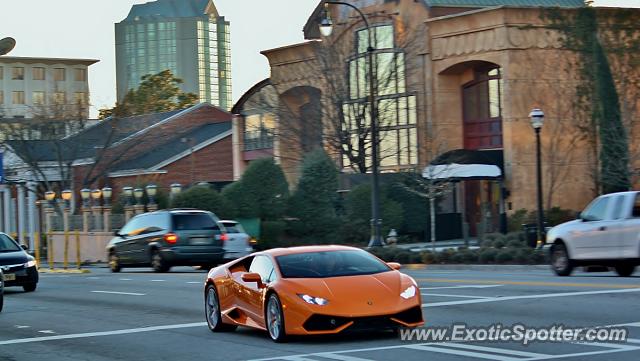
[171, 238]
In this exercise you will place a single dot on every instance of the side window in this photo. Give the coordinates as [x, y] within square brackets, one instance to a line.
[134, 227]
[263, 266]
[597, 211]
[619, 209]
[157, 222]
[635, 213]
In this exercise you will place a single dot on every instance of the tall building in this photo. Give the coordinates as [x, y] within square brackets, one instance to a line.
[44, 87]
[188, 37]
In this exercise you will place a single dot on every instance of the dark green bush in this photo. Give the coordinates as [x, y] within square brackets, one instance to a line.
[205, 198]
[505, 256]
[271, 233]
[428, 257]
[487, 255]
[498, 243]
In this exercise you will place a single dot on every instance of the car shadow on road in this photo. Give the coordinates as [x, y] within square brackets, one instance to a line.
[342, 338]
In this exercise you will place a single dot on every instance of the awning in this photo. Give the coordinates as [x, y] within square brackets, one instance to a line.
[456, 171]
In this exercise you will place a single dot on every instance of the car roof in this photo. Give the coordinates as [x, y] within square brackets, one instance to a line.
[228, 221]
[306, 249]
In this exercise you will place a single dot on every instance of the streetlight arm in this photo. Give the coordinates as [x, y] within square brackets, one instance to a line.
[364, 18]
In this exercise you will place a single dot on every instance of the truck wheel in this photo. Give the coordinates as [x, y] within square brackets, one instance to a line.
[625, 269]
[560, 262]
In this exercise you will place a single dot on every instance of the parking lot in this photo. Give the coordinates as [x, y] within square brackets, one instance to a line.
[142, 315]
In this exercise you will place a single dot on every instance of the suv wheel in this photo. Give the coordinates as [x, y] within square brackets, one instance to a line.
[158, 263]
[625, 269]
[560, 262]
[114, 262]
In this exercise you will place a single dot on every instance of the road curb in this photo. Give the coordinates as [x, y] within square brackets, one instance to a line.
[67, 271]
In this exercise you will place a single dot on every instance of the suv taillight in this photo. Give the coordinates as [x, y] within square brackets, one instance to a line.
[224, 237]
[171, 238]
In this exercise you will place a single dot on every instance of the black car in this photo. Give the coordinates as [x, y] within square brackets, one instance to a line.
[166, 238]
[18, 266]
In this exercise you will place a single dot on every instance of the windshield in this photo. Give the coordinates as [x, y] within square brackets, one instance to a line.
[8, 245]
[329, 264]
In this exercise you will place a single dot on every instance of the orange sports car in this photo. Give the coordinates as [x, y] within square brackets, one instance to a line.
[311, 290]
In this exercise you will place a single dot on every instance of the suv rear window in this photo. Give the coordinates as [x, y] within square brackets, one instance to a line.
[193, 221]
[233, 227]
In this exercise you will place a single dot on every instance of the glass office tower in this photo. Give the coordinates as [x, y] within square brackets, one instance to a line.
[188, 37]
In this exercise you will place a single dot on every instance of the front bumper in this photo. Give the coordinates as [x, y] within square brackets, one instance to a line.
[20, 276]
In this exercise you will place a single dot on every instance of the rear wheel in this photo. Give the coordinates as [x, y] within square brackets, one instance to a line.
[30, 287]
[114, 262]
[212, 311]
[158, 263]
[625, 269]
[560, 262]
[275, 319]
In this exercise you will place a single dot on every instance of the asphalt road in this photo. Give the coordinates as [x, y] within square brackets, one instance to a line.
[140, 315]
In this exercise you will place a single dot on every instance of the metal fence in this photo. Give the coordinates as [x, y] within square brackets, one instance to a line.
[96, 222]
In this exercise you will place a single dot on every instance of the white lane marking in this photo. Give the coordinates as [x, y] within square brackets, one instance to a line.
[93, 278]
[104, 333]
[463, 286]
[21, 326]
[333, 356]
[450, 295]
[591, 353]
[126, 279]
[633, 340]
[121, 293]
[544, 295]
[194, 282]
[157, 280]
[47, 331]
[462, 353]
[494, 350]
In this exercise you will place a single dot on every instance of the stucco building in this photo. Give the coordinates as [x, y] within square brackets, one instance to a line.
[451, 75]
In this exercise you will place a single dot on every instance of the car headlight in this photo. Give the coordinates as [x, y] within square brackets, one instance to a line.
[313, 300]
[409, 292]
[31, 263]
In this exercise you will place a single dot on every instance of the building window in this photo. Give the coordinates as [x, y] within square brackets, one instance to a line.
[1, 72]
[258, 131]
[17, 73]
[1, 96]
[80, 98]
[397, 109]
[18, 97]
[38, 73]
[59, 98]
[482, 110]
[80, 74]
[59, 74]
[37, 98]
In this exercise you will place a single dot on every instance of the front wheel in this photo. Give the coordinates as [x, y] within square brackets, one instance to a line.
[114, 262]
[30, 287]
[560, 262]
[275, 319]
[625, 269]
[158, 263]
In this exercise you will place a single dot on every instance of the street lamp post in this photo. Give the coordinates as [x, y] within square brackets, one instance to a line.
[537, 119]
[85, 194]
[152, 190]
[128, 208]
[107, 192]
[326, 27]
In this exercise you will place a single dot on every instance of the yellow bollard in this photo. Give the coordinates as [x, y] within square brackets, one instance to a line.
[78, 248]
[36, 244]
[50, 249]
[66, 249]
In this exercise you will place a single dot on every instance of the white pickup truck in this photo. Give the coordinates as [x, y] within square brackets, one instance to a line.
[606, 233]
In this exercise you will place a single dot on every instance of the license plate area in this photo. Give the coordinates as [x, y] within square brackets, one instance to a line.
[200, 240]
[9, 277]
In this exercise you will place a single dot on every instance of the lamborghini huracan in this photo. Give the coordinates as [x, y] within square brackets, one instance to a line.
[311, 290]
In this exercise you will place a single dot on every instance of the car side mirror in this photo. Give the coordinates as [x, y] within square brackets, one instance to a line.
[24, 247]
[579, 216]
[252, 277]
[394, 265]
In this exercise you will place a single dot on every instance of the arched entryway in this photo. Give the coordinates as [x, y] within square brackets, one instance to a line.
[301, 118]
[481, 99]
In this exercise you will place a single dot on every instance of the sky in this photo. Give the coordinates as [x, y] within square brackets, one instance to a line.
[85, 29]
